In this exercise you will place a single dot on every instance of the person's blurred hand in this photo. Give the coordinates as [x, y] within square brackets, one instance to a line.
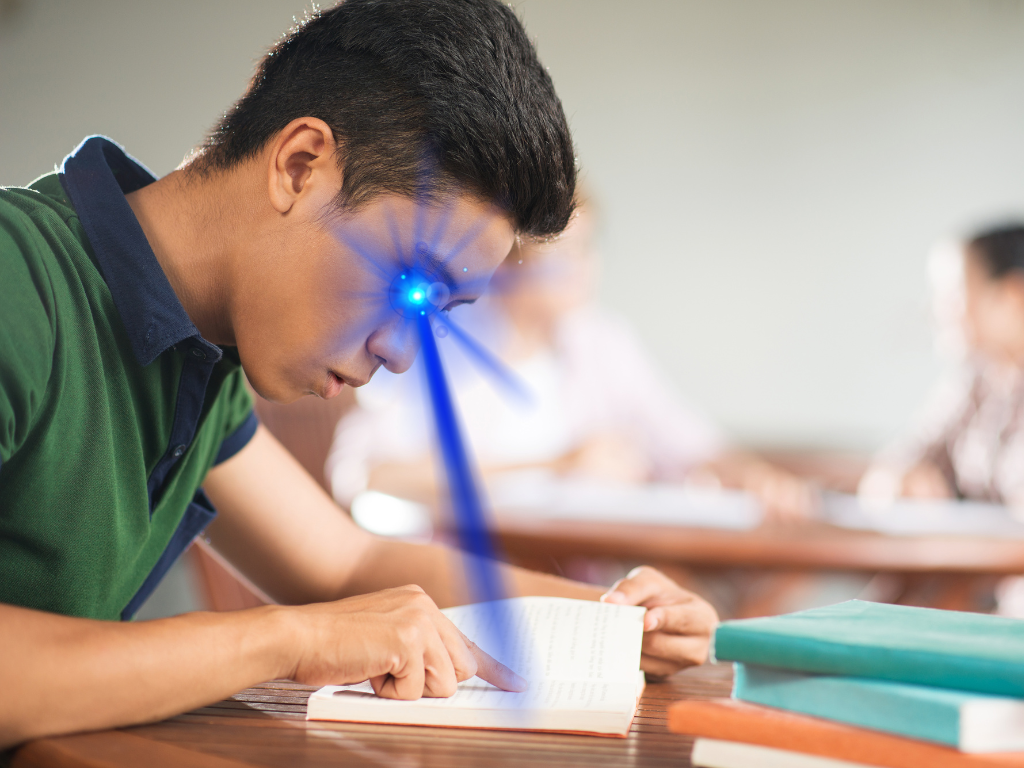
[606, 457]
[678, 624]
[926, 481]
[784, 496]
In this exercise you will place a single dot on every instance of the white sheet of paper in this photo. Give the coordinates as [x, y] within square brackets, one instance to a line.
[540, 495]
[909, 517]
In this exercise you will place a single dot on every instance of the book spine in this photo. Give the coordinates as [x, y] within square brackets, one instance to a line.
[887, 707]
[735, 642]
[714, 753]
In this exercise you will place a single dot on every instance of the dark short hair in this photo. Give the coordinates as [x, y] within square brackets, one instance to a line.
[1000, 249]
[422, 96]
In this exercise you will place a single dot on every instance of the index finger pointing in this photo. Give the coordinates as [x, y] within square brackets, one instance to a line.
[494, 672]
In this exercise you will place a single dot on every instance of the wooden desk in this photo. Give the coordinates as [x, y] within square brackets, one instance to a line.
[264, 726]
[936, 571]
[809, 546]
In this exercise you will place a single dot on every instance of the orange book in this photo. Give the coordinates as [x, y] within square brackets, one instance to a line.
[731, 720]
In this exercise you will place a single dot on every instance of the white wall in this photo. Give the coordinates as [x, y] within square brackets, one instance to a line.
[771, 173]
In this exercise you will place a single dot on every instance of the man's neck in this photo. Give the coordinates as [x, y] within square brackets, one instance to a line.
[187, 221]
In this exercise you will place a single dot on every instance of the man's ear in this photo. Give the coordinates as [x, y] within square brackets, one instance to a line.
[301, 162]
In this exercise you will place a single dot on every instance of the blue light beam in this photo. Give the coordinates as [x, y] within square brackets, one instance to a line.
[483, 577]
[419, 297]
[500, 373]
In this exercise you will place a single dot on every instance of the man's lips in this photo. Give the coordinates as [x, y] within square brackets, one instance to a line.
[333, 386]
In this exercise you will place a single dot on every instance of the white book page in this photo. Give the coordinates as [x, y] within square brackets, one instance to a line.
[714, 753]
[476, 694]
[556, 638]
[576, 656]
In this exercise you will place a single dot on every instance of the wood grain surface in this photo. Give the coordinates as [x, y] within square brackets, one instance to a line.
[265, 726]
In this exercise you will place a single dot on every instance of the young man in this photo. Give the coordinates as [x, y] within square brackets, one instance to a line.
[129, 307]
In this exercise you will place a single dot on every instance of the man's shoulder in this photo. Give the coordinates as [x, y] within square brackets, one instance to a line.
[38, 221]
[42, 243]
[41, 203]
[24, 253]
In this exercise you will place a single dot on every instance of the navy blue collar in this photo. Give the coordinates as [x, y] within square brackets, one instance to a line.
[96, 177]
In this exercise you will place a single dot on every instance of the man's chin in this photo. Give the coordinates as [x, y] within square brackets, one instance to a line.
[279, 392]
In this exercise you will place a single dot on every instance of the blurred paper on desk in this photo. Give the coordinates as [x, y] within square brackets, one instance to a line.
[914, 517]
[542, 495]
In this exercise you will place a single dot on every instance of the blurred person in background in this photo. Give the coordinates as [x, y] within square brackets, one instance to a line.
[599, 410]
[968, 441]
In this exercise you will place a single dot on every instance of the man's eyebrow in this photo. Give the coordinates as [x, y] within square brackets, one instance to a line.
[440, 268]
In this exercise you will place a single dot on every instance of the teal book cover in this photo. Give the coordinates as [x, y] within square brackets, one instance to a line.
[971, 722]
[946, 649]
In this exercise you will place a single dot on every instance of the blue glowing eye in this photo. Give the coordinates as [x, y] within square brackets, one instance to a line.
[412, 291]
[465, 269]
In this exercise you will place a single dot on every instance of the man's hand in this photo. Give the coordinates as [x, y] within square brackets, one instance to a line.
[678, 624]
[397, 639]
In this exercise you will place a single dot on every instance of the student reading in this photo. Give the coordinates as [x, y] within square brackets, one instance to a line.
[129, 307]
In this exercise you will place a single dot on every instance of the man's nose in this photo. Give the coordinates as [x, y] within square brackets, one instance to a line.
[396, 344]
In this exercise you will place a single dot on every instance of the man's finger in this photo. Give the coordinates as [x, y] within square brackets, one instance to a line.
[457, 645]
[406, 683]
[657, 669]
[676, 650]
[440, 680]
[639, 586]
[494, 672]
[690, 618]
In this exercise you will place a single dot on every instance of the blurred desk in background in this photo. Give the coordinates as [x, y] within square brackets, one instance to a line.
[953, 572]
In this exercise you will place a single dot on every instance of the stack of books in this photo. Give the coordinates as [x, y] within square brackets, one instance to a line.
[864, 684]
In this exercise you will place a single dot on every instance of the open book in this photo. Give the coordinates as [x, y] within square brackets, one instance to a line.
[581, 659]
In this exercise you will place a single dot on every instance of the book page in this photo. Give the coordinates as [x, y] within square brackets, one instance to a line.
[476, 694]
[581, 659]
[556, 638]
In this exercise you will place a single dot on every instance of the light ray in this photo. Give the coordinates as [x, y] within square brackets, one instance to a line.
[465, 240]
[419, 308]
[490, 363]
[396, 238]
[483, 576]
[372, 259]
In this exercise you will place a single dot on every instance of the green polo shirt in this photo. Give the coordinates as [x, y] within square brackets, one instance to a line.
[112, 406]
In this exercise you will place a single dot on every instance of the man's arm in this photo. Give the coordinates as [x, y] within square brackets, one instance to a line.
[278, 527]
[286, 534]
[61, 674]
